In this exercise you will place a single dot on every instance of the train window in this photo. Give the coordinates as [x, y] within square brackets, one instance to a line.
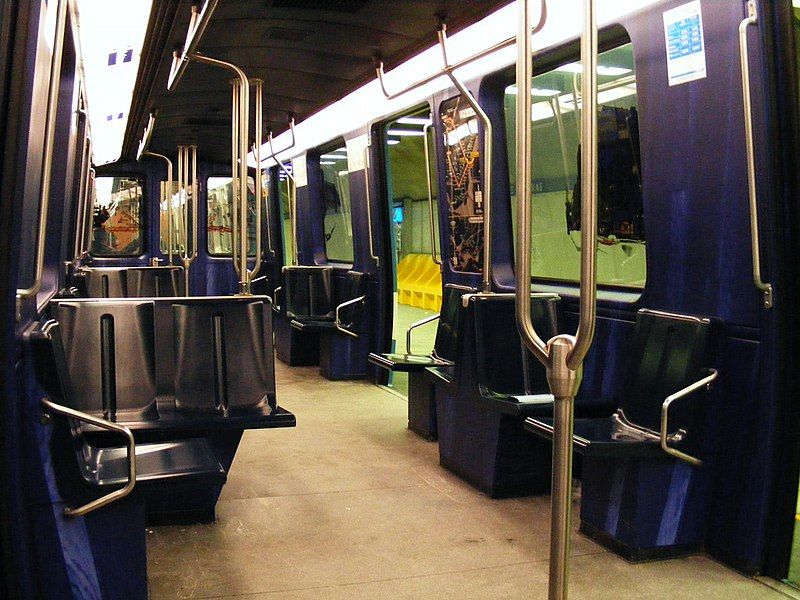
[336, 199]
[220, 220]
[286, 215]
[463, 178]
[556, 172]
[169, 194]
[117, 217]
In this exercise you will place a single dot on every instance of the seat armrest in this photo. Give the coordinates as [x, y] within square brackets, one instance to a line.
[416, 324]
[705, 382]
[341, 326]
[275, 306]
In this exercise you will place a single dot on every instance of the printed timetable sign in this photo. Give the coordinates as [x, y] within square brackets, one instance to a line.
[686, 54]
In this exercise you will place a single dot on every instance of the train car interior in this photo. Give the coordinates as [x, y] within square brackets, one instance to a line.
[424, 298]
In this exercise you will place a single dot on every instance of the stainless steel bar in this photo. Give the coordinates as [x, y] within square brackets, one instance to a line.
[588, 304]
[197, 26]
[244, 133]
[416, 324]
[260, 203]
[486, 162]
[752, 192]
[131, 447]
[338, 320]
[524, 174]
[49, 142]
[167, 197]
[80, 220]
[234, 199]
[432, 214]
[148, 134]
[368, 194]
[291, 190]
[90, 177]
[664, 432]
[289, 147]
[381, 74]
[562, 138]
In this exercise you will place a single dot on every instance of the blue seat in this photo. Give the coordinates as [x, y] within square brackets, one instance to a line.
[644, 493]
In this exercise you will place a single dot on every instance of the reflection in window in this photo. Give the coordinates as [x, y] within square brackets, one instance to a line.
[284, 196]
[336, 202]
[556, 224]
[116, 218]
[220, 219]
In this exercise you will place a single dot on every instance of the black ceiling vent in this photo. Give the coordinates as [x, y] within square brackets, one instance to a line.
[285, 34]
[342, 6]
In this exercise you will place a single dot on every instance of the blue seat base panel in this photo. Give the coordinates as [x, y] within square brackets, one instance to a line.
[644, 508]
[342, 357]
[491, 450]
[294, 347]
[422, 406]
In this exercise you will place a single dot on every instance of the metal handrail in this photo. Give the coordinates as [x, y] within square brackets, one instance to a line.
[77, 251]
[90, 177]
[486, 161]
[338, 322]
[562, 355]
[102, 423]
[197, 25]
[751, 19]
[146, 136]
[664, 433]
[289, 147]
[187, 176]
[49, 144]
[372, 254]
[431, 213]
[235, 91]
[381, 74]
[167, 195]
[240, 134]
[416, 324]
[259, 118]
[291, 188]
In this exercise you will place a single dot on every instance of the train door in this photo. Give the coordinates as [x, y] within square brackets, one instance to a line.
[414, 229]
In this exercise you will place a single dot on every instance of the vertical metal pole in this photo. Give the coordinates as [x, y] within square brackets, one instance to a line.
[234, 202]
[432, 214]
[244, 131]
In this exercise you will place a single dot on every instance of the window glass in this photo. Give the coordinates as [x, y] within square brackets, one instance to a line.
[220, 219]
[116, 219]
[336, 199]
[555, 252]
[284, 183]
[169, 194]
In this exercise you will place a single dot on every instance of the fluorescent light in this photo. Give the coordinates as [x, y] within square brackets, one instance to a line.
[111, 39]
[327, 162]
[334, 156]
[539, 92]
[392, 142]
[601, 69]
[414, 120]
[406, 132]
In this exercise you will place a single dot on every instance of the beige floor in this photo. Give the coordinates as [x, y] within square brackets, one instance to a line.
[349, 504]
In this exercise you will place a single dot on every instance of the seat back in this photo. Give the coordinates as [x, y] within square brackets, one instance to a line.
[668, 353]
[223, 356]
[104, 282]
[109, 349]
[445, 346]
[309, 292]
[154, 282]
[504, 365]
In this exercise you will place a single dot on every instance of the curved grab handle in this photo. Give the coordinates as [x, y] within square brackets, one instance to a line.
[432, 214]
[291, 189]
[751, 19]
[167, 197]
[131, 443]
[664, 432]
[588, 283]
[369, 208]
